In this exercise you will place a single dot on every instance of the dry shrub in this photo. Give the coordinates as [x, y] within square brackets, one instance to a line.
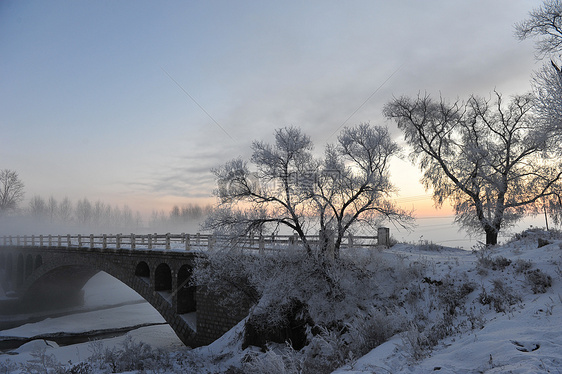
[539, 281]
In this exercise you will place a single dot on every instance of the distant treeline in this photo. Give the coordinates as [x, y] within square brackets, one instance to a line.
[66, 216]
[84, 213]
[186, 218]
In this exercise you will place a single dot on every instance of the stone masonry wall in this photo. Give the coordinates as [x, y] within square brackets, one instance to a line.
[214, 318]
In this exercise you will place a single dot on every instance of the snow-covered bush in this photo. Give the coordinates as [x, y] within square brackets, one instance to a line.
[327, 350]
[130, 355]
[420, 338]
[414, 344]
[331, 309]
[521, 266]
[494, 263]
[42, 363]
[539, 281]
[536, 232]
[501, 297]
[323, 313]
[439, 306]
[453, 294]
[284, 360]
[80, 368]
[7, 366]
[426, 245]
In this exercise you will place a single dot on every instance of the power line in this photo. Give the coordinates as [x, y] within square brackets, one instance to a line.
[365, 102]
[197, 103]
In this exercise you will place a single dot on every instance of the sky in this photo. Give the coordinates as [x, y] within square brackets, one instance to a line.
[134, 102]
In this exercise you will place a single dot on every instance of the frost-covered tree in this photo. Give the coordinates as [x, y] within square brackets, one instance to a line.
[272, 192]
[544, 23]
[52, 208]
[289, 187]
[185, 218]
[38, 207]
[175, 213]
[11, 190]
[494, 162]
[65, 210]
[83, 211]
[547, 88]
[127, 218]
[100, 214]
[353, 185]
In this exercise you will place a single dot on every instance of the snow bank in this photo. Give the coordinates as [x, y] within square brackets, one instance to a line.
[524, 338]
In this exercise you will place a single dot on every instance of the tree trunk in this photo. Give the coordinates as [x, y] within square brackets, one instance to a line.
[491, 236]
[327, 245]
[337, 245]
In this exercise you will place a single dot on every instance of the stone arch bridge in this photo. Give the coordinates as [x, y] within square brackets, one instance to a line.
[48, 272]
[48, 276]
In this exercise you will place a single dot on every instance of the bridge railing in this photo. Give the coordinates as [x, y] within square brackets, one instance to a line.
[116, 241]
[185, 241]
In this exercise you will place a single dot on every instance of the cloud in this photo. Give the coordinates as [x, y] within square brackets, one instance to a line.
[123, 126]
[186, 175]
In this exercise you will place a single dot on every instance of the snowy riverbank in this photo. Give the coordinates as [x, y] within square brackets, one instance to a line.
[508, 320]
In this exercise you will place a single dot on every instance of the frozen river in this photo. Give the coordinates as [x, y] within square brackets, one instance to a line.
[111, 310]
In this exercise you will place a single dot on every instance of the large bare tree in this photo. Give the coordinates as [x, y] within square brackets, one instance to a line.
[353, 185]
[494, 162]
[545, 24]
[38, 207]
[289, 187]
[11, 190]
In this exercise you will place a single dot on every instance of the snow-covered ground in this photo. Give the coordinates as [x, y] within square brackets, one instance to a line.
[524, 338]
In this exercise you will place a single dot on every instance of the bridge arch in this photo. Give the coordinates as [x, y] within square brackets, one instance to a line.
[19, 270]
[28, 265]
[60, 283]
[55, 286]
[187, 301]
[142, 270]
[8, 272]
[163, 278]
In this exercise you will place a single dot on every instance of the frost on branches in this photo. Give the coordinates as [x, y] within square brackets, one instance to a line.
[285, 185]
[545, 26]
[494, 162]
